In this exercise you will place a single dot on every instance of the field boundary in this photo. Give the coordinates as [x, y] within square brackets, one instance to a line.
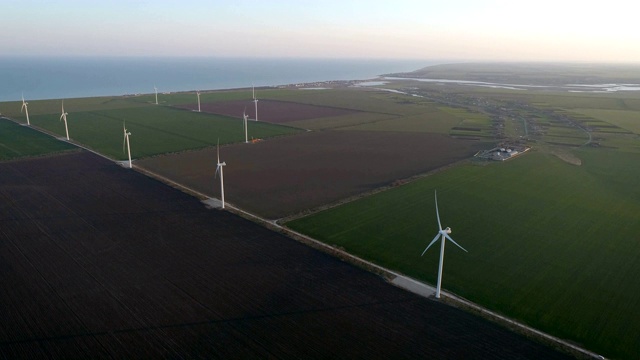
[353, 198]
[405, 282]
[387, 274]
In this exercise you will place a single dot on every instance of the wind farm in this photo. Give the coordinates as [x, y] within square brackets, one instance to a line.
[317, 172]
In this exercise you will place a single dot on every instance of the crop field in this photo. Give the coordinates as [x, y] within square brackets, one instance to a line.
[472, 125]
[555, 254]
[154, 129]
[287, 175]
[551, 244]
[626, 119]
[100, 262]
[270, 110]
[18, 141]
[361, 99]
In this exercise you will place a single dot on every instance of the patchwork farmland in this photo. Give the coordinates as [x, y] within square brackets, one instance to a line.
[584, 151]
[272, 111]
[100, 261]
[293, 174]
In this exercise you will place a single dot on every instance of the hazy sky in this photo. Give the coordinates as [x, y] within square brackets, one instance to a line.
[445, 29]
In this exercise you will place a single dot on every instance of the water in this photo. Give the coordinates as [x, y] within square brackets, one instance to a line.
[56, 78]
[587, 88]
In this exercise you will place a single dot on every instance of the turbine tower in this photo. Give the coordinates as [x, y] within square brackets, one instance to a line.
[253, 89]
[219, 169]
[156, 90]
[245, 117]
[198, 93]
[64, 117]
[126, 140]
[444, 235]
[26, 109]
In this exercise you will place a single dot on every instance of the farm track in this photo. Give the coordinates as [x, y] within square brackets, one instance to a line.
[99, 261]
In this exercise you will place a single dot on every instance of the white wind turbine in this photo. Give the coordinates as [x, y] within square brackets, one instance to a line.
[444, 235]
[64, 117]
[253, 89]
[126, 140]
[198, 93]
[245, 117]
[26, 109]
[219, 169]
[156, 90]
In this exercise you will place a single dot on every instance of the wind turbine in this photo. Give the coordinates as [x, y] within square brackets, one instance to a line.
[198, 93]
[156, 90]
[219, 169]
[126, 140]
[26, 109]
[444, 234]
[245, 117]
[253, 89]
[64, 117]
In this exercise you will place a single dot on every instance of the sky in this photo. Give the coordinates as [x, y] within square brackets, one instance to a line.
[461, 30]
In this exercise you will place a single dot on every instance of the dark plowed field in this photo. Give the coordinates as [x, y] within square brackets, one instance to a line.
[279, 177]
[97, 261]
[270, 110]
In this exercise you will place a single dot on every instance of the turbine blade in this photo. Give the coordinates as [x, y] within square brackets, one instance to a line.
[218, 150]
[431, 243]
[437, 212]
[215, 176]
[458, 245]
[124, 138]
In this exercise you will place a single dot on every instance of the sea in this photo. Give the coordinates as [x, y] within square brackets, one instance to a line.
[70, 77]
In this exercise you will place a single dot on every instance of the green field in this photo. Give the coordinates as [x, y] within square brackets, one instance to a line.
[626, 119]
[97, 123]
[551, 244]
[18, 141]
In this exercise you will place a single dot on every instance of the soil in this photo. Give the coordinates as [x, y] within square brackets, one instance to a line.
[272, 111]
[287, 175]
[99, 261]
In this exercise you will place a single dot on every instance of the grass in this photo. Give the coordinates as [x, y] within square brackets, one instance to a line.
[20, 141]
[375, 101]
[626, 119]
[433, 118]
[559, 255]
[154, 130]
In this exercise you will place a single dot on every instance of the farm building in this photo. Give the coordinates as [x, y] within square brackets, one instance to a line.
[502, 153]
